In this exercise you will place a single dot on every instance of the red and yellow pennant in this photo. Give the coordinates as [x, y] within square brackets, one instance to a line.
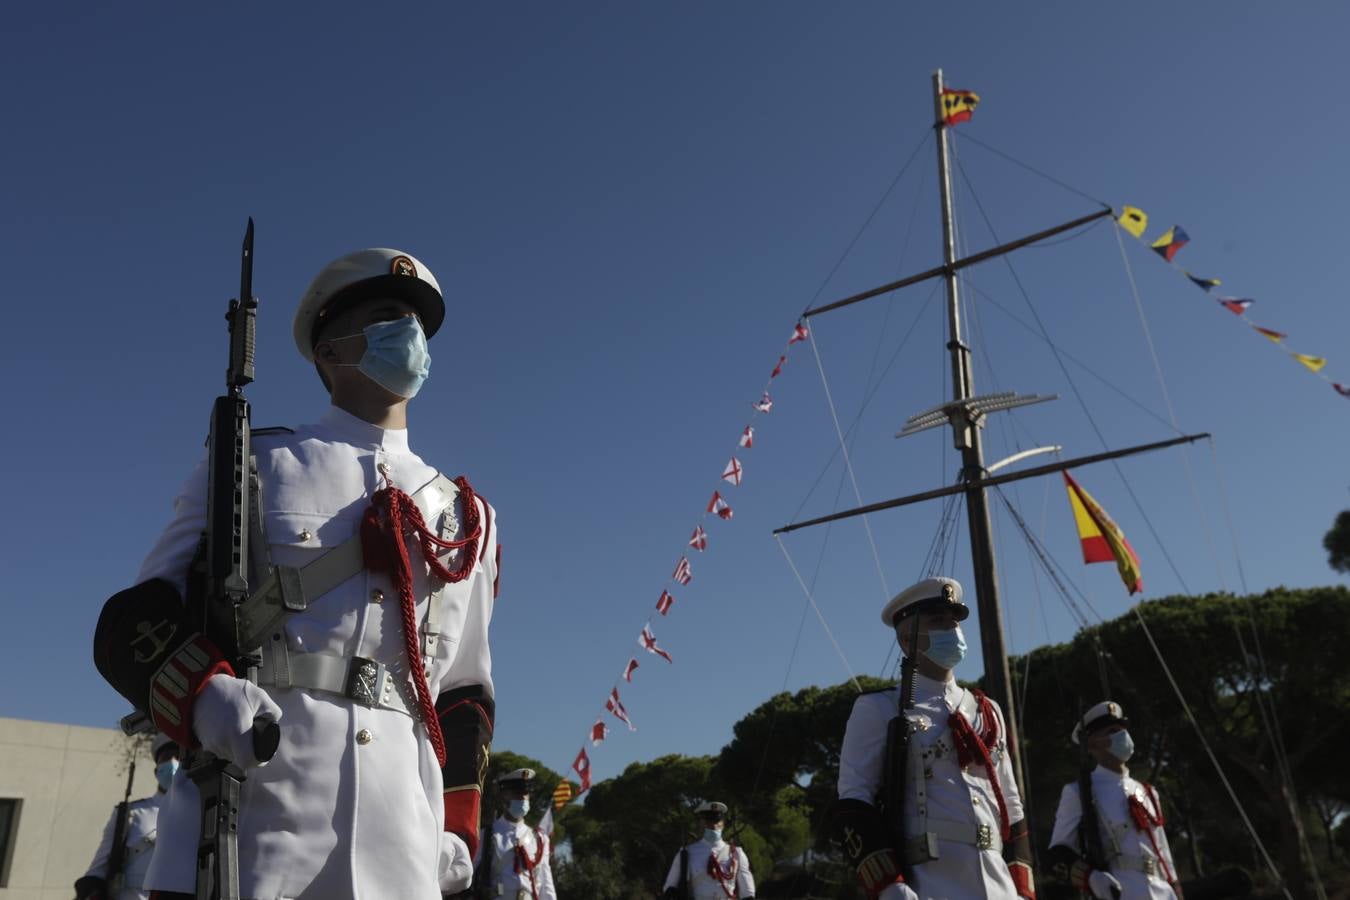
[1102, 539]
[958, 106]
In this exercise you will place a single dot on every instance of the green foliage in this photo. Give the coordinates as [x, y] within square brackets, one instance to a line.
[599, 876]
[1337, 543]
[546, 780]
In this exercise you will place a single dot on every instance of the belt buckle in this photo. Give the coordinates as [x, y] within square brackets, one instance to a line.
[365, 680]
[984, 837]
[1150, 867]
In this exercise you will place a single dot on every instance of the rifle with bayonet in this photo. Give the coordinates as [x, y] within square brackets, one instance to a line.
[218, 584]
[117, 854]
[899, 734]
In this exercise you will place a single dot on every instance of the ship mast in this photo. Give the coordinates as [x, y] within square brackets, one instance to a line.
[964, 419]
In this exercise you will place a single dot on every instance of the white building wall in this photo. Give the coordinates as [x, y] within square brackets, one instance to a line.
[69, 779]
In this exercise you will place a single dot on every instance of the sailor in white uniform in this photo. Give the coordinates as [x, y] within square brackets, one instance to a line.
[138, 837]
[1122, 851]
[515, 860]
[964, 831]
[382, 683]
[710, 868]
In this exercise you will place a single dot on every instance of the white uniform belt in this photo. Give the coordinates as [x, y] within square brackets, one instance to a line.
[1146, 864]
[981, 837]
[357, 678]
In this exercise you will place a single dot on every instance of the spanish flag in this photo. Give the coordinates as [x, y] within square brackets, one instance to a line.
[958, 106]
[1170, 244]
[1102, 538]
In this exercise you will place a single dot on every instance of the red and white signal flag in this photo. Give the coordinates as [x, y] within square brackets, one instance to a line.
[664, 602]
[582, 766]
[628, 670]
[778, 368]
[648, 640]
[683, 573]
[613, 705]
[719, 507]
[732, 472]
[765, 404]
[748, 436]
[699, 539]
[599, 731]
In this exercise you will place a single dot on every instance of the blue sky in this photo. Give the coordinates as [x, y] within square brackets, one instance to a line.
[628, 205]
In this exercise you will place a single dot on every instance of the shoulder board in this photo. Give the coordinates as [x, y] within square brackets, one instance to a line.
[272, 429]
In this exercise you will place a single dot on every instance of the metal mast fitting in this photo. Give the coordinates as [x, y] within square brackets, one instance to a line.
[972, 410]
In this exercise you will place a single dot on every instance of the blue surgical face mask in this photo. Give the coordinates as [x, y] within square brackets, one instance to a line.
[947, 647]
[396, 356]
[1121, 746]
[518, 808]
[712, 835]
[164, 773]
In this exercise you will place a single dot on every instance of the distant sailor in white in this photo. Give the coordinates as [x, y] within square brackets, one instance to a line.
[710, 868]
[514, 861]
[1122, 851]
[963, 834]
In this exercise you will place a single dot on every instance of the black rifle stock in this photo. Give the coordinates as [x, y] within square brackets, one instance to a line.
[898, 734]
[1090, 825]
[221, 580]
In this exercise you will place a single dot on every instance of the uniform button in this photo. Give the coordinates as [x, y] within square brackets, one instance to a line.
[364, 736]
[305, 535]
[377, 596]
[975, 800]
[383, 468]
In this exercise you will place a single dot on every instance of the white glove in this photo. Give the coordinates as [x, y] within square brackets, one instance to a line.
[899, 891]
[455, 871]
[1101, 884]
[223, 718]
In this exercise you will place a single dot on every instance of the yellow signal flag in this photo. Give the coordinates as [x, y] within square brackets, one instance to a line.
[1102, 539]
[562, 794]
[1133, 219]
[1314, 363]
[1270, 334]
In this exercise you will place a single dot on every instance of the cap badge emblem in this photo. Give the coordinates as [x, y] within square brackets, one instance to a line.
[948, 593]
[401, 265]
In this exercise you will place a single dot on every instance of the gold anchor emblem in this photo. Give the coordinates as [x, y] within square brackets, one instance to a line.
[156, 636]
[853, 843]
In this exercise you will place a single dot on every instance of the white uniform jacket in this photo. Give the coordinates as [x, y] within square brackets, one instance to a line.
[1128, 850]
[958, 800]
[504, 880]
[139, 840]
[703, 886]
[351, 804]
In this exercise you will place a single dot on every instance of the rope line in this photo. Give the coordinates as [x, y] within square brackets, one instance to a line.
[819, 615]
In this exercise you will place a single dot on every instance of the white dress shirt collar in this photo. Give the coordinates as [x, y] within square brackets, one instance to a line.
[354, 430]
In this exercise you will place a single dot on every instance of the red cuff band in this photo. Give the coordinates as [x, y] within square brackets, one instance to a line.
[1023, 880]
[176, 684]
[461, 815]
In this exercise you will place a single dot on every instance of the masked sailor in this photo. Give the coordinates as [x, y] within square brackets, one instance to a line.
[515, 858]
[1121, 851]
[114, 876]
[380, 676]
[960, 831]
[710, 868]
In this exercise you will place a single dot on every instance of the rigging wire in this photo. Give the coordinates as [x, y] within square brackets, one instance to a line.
[866, 222]
[819, 615]
[848, 462]
[1171, 410]
[1036, 171]
[1082, 401]
[1070, 357]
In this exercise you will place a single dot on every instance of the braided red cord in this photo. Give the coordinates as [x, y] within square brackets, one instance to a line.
[523, 860]
[971, 748]
[1146, 820]
[726, 876]
[390, 516]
